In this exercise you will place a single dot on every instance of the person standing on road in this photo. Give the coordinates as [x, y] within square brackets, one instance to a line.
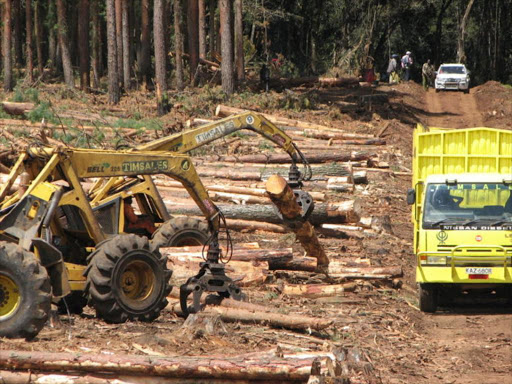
[426, 74]
[392, 70]
[406, 65]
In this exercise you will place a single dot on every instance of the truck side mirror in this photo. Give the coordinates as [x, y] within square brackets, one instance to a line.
[411, 196]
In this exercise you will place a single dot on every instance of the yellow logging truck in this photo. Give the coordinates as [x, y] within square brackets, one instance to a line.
[462, 212]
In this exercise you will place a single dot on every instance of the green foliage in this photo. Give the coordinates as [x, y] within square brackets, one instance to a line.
[42, 111]
[22, 94]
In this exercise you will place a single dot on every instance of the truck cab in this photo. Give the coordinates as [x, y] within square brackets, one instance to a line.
[463, 221]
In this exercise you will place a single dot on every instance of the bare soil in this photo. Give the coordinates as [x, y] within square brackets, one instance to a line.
[463, 343]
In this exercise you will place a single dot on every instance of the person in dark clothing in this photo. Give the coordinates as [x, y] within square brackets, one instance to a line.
[406, 65]
[264, 77]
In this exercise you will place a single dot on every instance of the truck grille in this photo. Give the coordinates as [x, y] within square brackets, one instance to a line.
[448, 248]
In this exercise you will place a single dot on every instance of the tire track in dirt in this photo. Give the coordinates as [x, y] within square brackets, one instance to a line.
[452, 110]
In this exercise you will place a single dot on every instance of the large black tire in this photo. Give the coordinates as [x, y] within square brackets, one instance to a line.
[181, 231]
[428, 297]
[126, 280]
[25, 293]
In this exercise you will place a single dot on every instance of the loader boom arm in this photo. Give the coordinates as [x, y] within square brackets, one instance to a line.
[186, 141]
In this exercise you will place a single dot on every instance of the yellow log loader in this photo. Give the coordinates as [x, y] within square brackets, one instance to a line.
[182, 231]
[53, 241]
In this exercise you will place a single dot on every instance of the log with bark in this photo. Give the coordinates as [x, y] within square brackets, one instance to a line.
[308, 264]
[232, 310]
[284, 199]
[239, 253]
[340, 212]
[178, 367]
[312, 81]
[366, 139]
[314, 291]
[280, 158]
[17, 109]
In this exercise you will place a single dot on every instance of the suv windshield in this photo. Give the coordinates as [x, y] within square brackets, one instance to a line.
[452, 69]
[477, 205]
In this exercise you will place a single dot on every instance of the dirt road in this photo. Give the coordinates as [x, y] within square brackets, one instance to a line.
[473, 343]
[452, 109]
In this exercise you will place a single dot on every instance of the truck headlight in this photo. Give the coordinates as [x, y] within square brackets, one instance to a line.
[433, 260]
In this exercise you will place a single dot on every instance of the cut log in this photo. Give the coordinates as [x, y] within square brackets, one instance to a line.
[340, 212]
[239, 254]
[280, 158]
[314, 291]
[342, 136]
[224, 111]
[232, 310]
[17, 108]
[179, 367]
[308, 264]
[318, 81]
[284, 199]
[237, 198]
[226, 173]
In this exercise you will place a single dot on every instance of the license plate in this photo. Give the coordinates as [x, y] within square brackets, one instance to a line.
[479, 271]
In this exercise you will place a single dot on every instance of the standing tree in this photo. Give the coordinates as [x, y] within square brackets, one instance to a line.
[211, 28]
[178, 43]
[64, 44]
[30, 59]
[126, 45]
[6, 46]
[16, 19]
[202, 29]
[83, 45]
[239, 42]
[461, 38]
[193, 38]
[228, 78]
[144, 43]
[38, 32]
[160, 56]
[119, 39]
[96, 44]
[113, 76]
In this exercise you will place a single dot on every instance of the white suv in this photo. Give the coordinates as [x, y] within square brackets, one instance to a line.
[452, 76]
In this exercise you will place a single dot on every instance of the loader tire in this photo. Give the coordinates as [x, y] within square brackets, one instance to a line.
[25, 293]
[181, 231]
[126, 280]
[428, 297]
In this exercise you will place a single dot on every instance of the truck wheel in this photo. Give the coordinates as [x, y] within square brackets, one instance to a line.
[127, 281]
[25, 293]
[181, 231]
[437, 90]
[428, 297]
[466, 91]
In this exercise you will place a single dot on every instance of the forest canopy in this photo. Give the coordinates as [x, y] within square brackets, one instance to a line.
[162, 43]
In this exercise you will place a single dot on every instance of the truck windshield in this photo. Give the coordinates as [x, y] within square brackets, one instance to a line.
[472, 205]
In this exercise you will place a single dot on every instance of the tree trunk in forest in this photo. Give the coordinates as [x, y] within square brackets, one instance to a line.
[96, 44]
[193, 38]
[160, 57]
[145, 42]
[126, 44]
[211, 28]
[16, 19]
[83, 45]
[228, 75]
[29, 58]
[38, 28]
[113, 76]
[439, 31]
[239, 42]
[202, 29]
[461, 38]
[178, 43]
[119, 40]
[64, 44]
[6, 46]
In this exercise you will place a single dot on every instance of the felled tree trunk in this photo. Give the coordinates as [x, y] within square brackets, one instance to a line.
[279, 158]
[13, 108]
[182, 367]
[284, 199]
[342, 212]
